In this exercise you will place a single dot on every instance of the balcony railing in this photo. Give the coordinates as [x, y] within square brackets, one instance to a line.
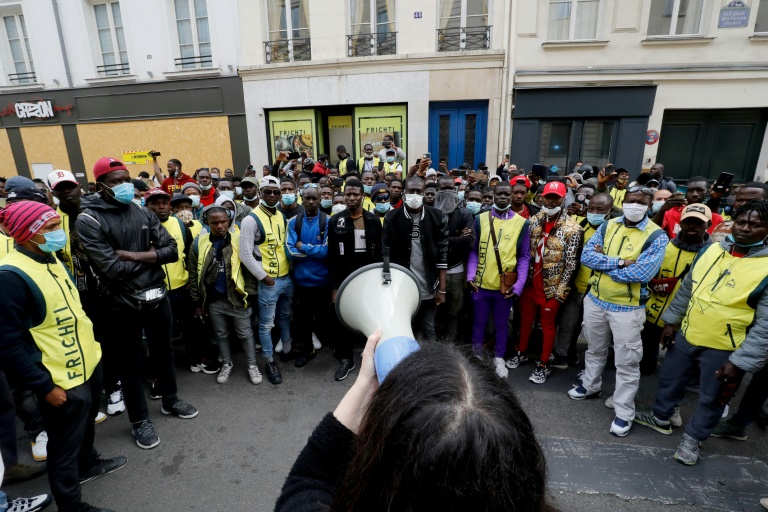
[367, 45]
[114, 69]
[460, 39]
[199, 61]
[288, 50]
[23, 78]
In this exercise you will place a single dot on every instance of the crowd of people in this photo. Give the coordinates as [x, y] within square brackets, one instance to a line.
[97, 286]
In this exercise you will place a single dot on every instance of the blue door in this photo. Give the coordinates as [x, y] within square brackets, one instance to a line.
[457, 132]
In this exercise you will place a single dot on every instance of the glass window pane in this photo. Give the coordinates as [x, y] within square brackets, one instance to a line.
[187, 50]
[385, 15]
[661, 17]
[596, 142]
[360, 12]
[16, 52]
[475, 7]
[477, 21]
[203, 34]
[182, 9]
[185, 31]
[300, 14]
[450, 14]
[109, 58]
[586, 19]
[559, 20]
[555, 143]
[275, 17]
[116, 15]
[10, 27]
[205, 51]
[105, 40]
[201, 8]
[689, 17]
[102, 16]
[23, 25]
[761, 25]
[120, 39]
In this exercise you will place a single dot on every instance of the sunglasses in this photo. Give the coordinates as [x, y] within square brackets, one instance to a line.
[311, 185]
[644, 190]
[381, 199]
[270, 192]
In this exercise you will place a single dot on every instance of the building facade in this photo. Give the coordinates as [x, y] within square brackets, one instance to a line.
[82, 79]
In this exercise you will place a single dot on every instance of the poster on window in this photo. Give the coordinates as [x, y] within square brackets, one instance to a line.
[372, 123]
[292, 131]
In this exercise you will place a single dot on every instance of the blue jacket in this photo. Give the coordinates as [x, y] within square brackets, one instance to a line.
[309, 262]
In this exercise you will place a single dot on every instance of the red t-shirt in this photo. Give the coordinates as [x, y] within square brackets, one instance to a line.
[538, 265]
[173, 185]
[671, 223]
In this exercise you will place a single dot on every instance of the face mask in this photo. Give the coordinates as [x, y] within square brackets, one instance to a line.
[326, 203]
[227, 193]
[238, 191]
[596, 219]
[474, 207]
[138, 202]
[123, 193]
[250, 198]
[195, 201]
[185, 216]
[635, 212]
[500, 209]
[289, 199]
[657, 205]
[414, 201]
[54, 241]
[368, 157]
[382, 207]
[551, 212]
[756, 244]
[390, 159]
[338, 208]
[367, 189]
[461, 195]
[206, 187]
[542, 182]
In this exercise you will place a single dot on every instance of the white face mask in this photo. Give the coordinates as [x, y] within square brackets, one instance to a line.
[635, 212]
[338, 208]
[414, 201]
[551, 212]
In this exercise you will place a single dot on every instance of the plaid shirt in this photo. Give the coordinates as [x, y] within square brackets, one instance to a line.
[645, 269]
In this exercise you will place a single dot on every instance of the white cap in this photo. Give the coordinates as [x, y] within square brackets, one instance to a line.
[61, 176]
[269, 181]
[431, 172]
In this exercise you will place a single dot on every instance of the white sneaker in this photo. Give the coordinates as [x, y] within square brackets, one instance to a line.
[226, 371]
[501, 369]
[279, 346]
[33, 504]
[609, 402]
[676, 420]
[316, 342]
[100, 418]
[254, 374]
[620, 428]
[115, 403]
[40, 447]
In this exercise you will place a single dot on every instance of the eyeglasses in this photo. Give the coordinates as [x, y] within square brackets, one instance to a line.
[644, 190]
[270, 192]
[381, 199]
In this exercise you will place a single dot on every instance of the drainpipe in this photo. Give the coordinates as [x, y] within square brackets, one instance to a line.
[61, 42]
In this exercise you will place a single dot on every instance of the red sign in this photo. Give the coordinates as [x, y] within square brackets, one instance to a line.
[651, 137]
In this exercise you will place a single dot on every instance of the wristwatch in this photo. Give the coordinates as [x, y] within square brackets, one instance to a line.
[621, 263]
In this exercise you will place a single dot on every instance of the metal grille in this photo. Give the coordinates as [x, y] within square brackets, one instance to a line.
[288, 50]
[366, 45]
[470, 128]
[200, 61]
[460, 39]
[114, 69]
[23, 78]
[444, 136]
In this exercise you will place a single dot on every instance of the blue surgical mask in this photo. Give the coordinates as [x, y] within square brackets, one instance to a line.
[657, 206]
[289, 199]
[229, 194]
[367, 189]
[474, 207]
[138, 202]
[596, 219]
[461, 195]
[326, 203]
[756, 244]
[123, 193]
[54, 241]
[382, 207]
[390, 159]
[500, 209]
[195, 201]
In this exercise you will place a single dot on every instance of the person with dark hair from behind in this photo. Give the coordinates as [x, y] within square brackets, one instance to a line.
[442, 432]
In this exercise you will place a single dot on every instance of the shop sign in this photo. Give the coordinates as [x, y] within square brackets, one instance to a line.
[339, 122]
[373, 129]
[137, 157]
[734, 15]
[35, 109]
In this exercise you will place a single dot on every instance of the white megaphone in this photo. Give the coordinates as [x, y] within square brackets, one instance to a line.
[381, 296]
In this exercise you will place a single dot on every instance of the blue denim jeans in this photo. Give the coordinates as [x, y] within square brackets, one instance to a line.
[681, 363]
[275, 303]
[3, 501]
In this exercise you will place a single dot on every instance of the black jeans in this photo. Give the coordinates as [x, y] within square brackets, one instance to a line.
[755, 396]
[312, 313]
[184, 319]
[651, 336]
[126, 349]
[8, 447]
[28, 411]
[70, 440]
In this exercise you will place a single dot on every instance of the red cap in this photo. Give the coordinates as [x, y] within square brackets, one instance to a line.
[106, 165]
[154, 192]
[514, 181]
[554, 187]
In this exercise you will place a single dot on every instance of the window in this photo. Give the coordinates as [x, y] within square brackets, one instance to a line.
[563, 143]
[288, 24]
[571, 20]
[761, 24]
[109, 25]
[373, 28]
[18, 41]
[194, 36]
[675, 17]
[463, 25]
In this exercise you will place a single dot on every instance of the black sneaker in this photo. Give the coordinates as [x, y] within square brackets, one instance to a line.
[181, 409]
[211, 367]
[347, 365]
[84, 507]
[559, 362]
[273, 373]
[144, 433]
[302, 360]
[290, 356]
[154, 390]
[103, 467]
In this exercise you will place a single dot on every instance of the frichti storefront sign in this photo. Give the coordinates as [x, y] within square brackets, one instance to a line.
[35, 109]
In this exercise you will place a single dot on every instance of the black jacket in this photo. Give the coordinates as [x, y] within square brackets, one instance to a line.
[104, 228]
[341, 245]
[434, 232]
[459, 246]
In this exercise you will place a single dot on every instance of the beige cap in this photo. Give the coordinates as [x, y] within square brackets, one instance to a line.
[696, 211]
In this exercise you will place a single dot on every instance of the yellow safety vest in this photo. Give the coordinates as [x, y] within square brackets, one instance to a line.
[272, 228]
[368, 204]
[204, 246]
[361, 164]
[388, 168]
[65, 336]
[618, 196]
[620, 241]
[582, 276]
[507, 234]
[723, 299]
[6, 245]
[195, 228]
[176, 274]
[67, 250]
[675, 263]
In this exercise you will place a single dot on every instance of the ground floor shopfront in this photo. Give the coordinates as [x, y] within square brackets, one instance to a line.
[200, 122]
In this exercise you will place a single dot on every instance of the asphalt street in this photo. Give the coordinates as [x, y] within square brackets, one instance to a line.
[236, 454]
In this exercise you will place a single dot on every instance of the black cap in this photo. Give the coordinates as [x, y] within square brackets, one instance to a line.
[177, 198]
[26, 194]
[141, 185]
